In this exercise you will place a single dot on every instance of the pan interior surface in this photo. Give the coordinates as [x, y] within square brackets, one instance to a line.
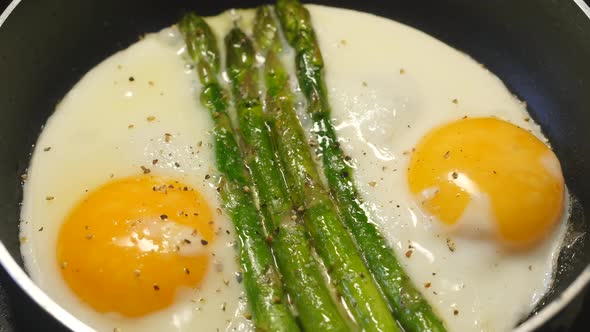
[541, 58]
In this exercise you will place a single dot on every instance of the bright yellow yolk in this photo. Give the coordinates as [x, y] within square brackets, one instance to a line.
[130, 244]
[486, 157]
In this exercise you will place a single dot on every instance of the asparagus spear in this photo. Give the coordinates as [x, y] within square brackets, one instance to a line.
[301, 274]
[410, 308]
[333, 243]
[261, 280]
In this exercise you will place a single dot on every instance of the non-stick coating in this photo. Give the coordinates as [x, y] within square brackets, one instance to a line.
[539, 48]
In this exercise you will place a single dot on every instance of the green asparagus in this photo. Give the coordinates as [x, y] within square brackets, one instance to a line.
[301, 273]
[349, 274]
[261, 280]
[407, 303]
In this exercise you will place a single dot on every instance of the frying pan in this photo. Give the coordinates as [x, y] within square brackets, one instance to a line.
[539, 48]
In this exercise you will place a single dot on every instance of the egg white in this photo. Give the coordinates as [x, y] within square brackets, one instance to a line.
[386, 92]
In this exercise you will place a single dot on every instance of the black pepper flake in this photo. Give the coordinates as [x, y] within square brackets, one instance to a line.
[145, 170]
[207, 176]
[455, 175]
[187, 271]
[451, 245]
[155, 161]
[41, 229]
[156, 287]
[49, 198]
[163, 217]
[204, 242]
[131, 78]
[187, 241]
[176, 164]
[447, 155]
[344, 174]
[239, 277]
[455, 101]
[455, 312]
[47, 149]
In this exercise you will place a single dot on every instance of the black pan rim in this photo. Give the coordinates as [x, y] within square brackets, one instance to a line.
[22, 279]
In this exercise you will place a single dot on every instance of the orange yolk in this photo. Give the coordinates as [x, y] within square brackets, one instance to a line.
[486, 157]
[131, 243]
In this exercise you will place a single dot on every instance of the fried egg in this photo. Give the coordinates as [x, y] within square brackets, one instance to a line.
[122, 225]
[451, 167]
[121, 220]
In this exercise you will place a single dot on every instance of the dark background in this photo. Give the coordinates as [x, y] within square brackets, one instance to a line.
[19, 313]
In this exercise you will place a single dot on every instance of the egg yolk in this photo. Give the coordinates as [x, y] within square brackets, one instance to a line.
[129, 245]
[489, 159]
